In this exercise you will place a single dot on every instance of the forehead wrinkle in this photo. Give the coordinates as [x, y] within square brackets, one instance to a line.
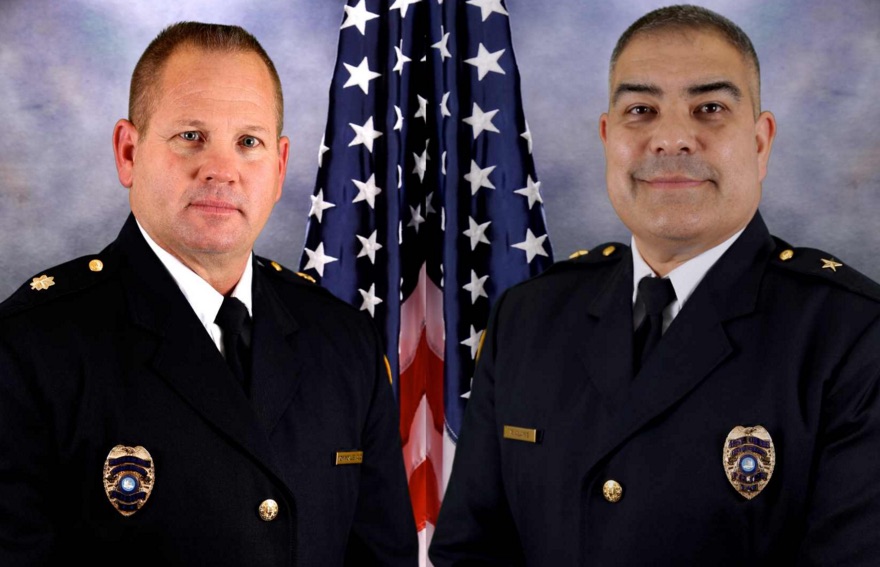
[180, 78]
[188, 110]
[187, 122]
[195, 91]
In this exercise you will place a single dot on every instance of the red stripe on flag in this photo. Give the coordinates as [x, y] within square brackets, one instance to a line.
[424, 377]
[421, 429]
[425, 495]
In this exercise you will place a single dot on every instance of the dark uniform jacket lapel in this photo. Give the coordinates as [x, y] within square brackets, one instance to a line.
[185, 357]
[728, 290]
[611, 313]
[277, 370]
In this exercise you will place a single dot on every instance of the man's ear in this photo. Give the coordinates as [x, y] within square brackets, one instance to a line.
[125, 138]
[765, 133]
[283, 154]
[603, 127]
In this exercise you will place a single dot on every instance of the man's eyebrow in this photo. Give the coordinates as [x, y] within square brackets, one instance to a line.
[726, 86]
[199, 125]
[256, 129]
[186, 123]
[624, 88]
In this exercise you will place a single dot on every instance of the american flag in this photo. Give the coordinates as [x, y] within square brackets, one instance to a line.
[427, 204]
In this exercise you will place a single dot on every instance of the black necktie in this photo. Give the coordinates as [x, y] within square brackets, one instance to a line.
[655, 294]
[235, 322]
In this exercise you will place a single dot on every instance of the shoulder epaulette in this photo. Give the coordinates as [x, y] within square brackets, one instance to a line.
[827, 267]
[59, 281]
[610, 252]
[273, 267]
[604, 253]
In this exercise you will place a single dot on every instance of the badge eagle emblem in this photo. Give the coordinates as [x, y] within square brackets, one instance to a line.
[129, 475]
[749, 459]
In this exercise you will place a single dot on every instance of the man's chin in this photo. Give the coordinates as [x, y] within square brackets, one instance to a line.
[216, 246]
[677, 228]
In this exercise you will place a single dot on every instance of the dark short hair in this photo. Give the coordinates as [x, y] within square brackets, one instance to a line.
[688, 17]
[210, 37]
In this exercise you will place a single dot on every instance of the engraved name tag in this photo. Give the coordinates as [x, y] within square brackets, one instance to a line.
[349, 457]
[522, 434]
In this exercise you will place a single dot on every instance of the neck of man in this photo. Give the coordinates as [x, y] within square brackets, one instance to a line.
[664, 256]
[221, 271]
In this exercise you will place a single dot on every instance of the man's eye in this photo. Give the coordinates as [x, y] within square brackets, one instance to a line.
[640, 109]
[250, 142]
[711, 108]
[190, 136]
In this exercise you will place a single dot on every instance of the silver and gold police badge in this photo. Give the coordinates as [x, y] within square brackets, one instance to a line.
[129, 475]
[749, 459]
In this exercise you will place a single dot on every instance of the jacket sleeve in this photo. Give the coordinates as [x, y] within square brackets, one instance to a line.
[26, 533]
[383, 531]
[475, 526]
[843, 521]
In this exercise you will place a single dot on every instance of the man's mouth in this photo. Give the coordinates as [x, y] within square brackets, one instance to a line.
[672, 182]
[214, 206]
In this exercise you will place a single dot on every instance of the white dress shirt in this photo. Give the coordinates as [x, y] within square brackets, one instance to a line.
[685, 278]
[204, 299]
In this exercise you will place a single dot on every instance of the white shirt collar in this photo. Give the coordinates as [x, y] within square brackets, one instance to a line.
[685, 278]
[204, 299]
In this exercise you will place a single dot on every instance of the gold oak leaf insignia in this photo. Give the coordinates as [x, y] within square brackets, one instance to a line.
[42, 282]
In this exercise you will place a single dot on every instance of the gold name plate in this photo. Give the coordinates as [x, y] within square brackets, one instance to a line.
[349, 457]
[522, 434]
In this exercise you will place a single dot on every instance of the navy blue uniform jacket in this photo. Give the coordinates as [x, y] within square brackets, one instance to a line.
[763, 340]
[119, 357]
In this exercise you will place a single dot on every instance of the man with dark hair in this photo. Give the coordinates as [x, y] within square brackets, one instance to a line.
[709, 395]
[175, 399]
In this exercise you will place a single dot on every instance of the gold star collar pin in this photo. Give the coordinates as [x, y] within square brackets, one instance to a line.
[830, 265]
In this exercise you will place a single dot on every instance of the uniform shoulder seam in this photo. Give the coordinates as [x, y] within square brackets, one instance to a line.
[62, 280]
[601, 255]
[824, 267]
[278, 271]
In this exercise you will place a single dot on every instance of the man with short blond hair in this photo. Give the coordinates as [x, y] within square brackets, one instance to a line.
[709, 395]
[175, 399]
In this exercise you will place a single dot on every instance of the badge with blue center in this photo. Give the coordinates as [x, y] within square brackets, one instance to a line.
[749, 459]
[129, 475]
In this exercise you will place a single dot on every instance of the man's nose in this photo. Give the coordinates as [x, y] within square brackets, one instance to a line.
[673, 135]
[219, 164]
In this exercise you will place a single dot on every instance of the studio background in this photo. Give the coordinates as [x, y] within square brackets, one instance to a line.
[65, 68]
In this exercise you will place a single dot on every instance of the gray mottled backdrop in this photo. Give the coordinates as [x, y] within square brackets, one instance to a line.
[65, 67]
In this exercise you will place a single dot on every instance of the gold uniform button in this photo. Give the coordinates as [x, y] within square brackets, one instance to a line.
[276, 265]
[268, 510]
[609, 250]
[612, 491]
[578, 254]
[96, 265]
[786, 255]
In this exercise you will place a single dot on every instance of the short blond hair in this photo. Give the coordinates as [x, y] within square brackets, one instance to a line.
[143, 97]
